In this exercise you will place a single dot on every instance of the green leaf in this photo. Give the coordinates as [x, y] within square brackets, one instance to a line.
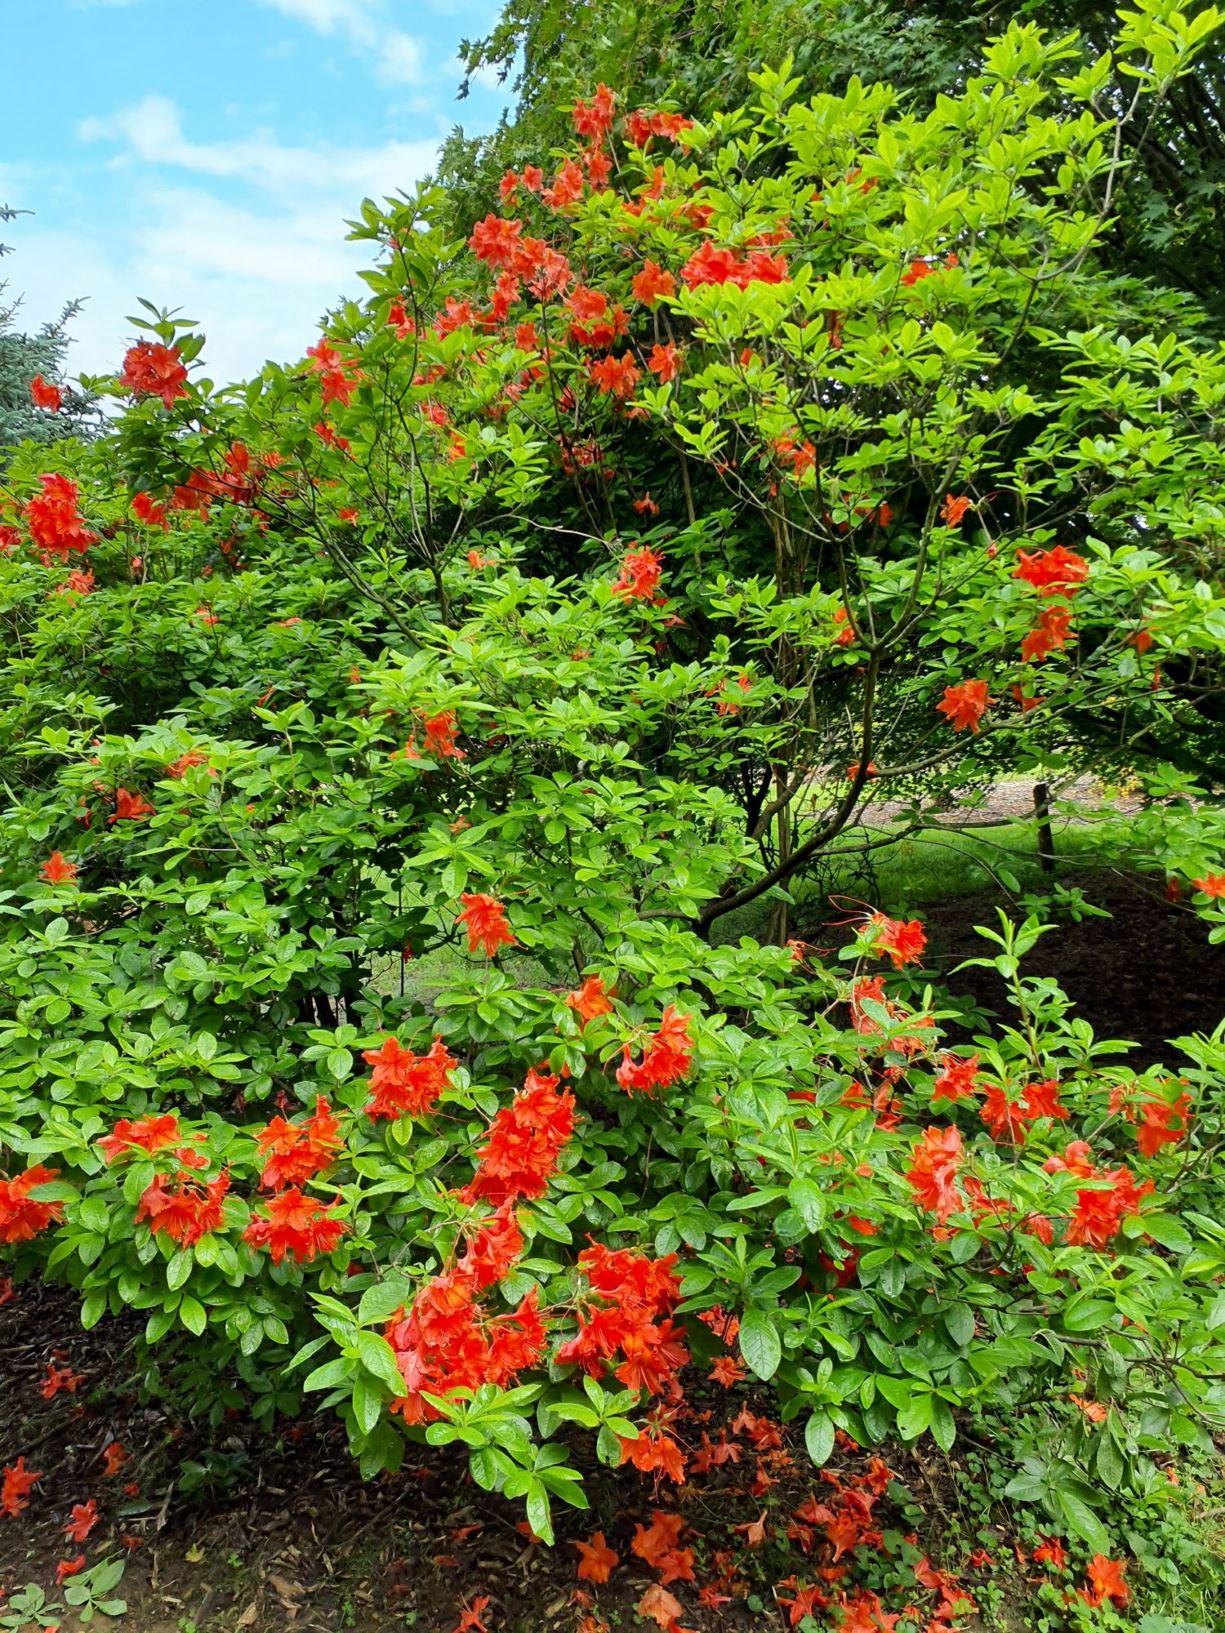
[94, 1214]
[760, 1344]
[943, 1425]
[960, 1325]
[384, 1299]
[93, 1309]
[178, 1270]
[483, 1461]
[158, 1325]
[1083, 1521]
[819, 1437]
[367, 1405]
[1109, 1461]
[192, 1315]
[807, 1198]
[608, 1447]
[1165, 1230]
[378, 1357]
[1085, 1313]
[539, 1512]
[331, 1374]
[915, 1416]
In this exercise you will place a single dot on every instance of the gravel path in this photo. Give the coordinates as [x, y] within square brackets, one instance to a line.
[1009, 800]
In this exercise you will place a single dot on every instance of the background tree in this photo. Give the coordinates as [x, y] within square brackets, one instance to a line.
[43, 354]
[1170, 224]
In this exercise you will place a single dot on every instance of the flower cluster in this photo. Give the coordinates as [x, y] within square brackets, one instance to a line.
[627, 1313]
[639, 577]
[450, 1340]
[183, 1206]
[933, 1172]
[153, 370]
[54, 521]
[1102, 1205]
[45, 394]
[23, 1216]
[338, 379]
[666, 1059]
[296, 1225]
[1052, 572]
[403, 1084]
[523, 1143]
[296, 1152]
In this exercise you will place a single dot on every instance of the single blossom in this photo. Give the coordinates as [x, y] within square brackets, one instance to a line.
[665, 362]
[486, 924]
[84, 1517]
[902, 940]
[130, 807]
[44, 394]
[58, 870]
[590, 1000]
[597, 1560]
[965, 704]
[15, 1487]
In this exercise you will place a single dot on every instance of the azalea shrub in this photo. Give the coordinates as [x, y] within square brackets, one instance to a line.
[390, 740]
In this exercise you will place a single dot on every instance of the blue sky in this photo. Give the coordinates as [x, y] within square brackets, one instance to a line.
[205, 153]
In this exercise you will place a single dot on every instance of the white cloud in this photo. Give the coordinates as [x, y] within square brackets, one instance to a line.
[152, 131]
[327, 16]
[257, 286]
[398, 58]
[245, 236]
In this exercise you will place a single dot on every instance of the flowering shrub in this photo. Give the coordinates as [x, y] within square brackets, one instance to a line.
[577, 591]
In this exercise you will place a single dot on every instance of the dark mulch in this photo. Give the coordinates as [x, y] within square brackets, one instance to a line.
[1146, 974]
[283, 1534]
